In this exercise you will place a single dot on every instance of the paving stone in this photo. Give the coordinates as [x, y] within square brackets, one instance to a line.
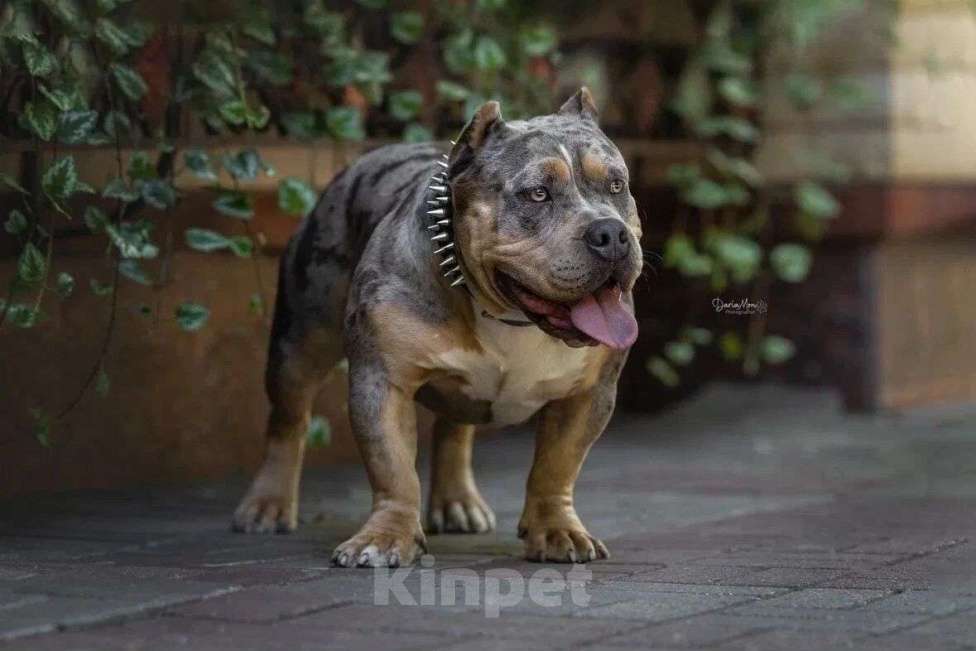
[819, 536]
[664, 606]
[833, 598]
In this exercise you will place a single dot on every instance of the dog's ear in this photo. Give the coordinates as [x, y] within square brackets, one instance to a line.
[486, 121]
[581, 105]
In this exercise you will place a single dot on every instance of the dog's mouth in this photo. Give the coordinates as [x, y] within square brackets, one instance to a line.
[598, 318]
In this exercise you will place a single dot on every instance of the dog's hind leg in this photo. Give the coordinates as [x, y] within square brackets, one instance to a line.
[455, 505]
[306, 343]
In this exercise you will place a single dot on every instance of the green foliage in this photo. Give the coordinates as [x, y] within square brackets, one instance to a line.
[719, 98]
[319, 433]
[191, 316]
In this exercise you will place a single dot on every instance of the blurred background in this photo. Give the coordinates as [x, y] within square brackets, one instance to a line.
[805, 172]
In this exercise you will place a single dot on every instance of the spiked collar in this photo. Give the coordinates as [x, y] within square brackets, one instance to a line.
[440, 216]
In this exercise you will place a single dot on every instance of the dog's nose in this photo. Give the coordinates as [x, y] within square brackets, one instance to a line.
[608, 239]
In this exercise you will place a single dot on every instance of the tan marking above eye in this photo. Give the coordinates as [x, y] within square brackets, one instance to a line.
[557, 169]
[594, 167]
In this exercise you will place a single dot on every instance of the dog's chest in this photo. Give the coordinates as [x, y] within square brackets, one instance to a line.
[518, 370]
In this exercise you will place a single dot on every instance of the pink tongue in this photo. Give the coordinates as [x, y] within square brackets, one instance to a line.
[603, 316]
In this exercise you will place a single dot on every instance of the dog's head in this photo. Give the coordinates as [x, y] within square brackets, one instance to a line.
[545, 221]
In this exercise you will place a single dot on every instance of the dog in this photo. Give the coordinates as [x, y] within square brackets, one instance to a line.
[489, 284]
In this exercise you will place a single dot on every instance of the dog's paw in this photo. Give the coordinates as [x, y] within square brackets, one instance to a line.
[467, 513]
[555, 534]
[386, 540]
[265, 513]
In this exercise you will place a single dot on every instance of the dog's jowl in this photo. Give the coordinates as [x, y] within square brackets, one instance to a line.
[489, 283]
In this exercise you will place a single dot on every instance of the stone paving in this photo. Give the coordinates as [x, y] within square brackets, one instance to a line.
[750, 518]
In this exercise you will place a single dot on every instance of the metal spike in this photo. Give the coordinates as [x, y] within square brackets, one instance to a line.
[453, 142]
[444, 156]
[448, 260]
[436, 212]
[443, 222]
[451, 271]
[440, 200]
[446, 247]
[439, 188]
[440, 178]
[459, 281]
[442, 163]
[439, 237]
[434, 227]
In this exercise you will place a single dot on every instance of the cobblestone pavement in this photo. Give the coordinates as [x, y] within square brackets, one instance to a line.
[751, 518]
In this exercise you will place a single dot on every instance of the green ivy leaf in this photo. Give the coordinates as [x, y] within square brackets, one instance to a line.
[198, 162]
[158, 193]
[407, 26]
[776, 350]
[345, 123]
[417, 133]
[488, 54]
[404, 105]
[803, 90]
[134, 272]
[244, 165]
[319, 432]
[201, 239]
[699, 336]
[32, 265]
[273, 67]
[191, 316]
[76, 126]
[257, 117]
[65, 284]
[814, 200]
[216, 74]
[738, 91]
[38, 59]
[731, 346]
[112, 36]
[733, 127]
[255, 305]
[140, 167]
[739, 254]
[41, 119]
[132, 239]
[791, 262]
[241, 246]
[679, 352]
[451, 91]
[538, 41]
[663, 371]
[11, 183]
[234, 204]
[234, 112]
[117, 124]
[60, 180]
[16, 223]
[95, 218]
[22, 316]
[129, 81]
[295, 197]
[117, 188]
[706, 194]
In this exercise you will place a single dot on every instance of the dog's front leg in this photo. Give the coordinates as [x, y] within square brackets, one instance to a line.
[384, 422]
[549, 525]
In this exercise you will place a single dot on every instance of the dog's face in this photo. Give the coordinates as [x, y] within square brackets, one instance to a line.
[545, 221]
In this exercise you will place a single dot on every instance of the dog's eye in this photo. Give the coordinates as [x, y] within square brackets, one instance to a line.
[539, 194]
[616, 186]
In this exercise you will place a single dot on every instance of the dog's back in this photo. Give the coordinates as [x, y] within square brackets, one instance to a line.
[315, 269]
